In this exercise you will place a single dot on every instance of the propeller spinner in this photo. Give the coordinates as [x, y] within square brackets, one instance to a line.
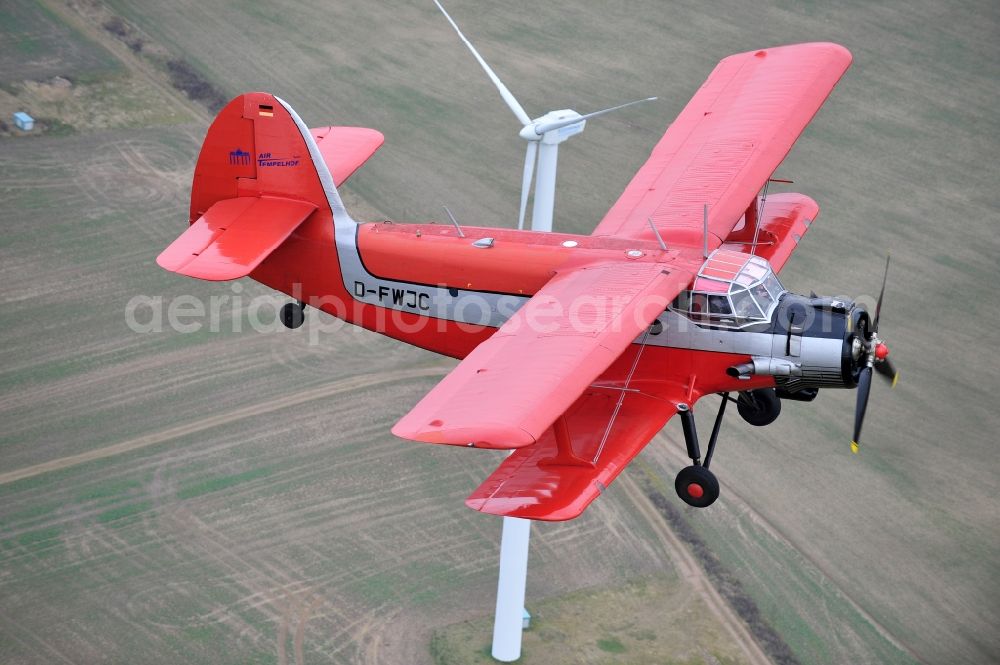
[873, 354]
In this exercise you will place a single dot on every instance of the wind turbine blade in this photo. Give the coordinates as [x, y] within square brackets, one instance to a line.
[529, 169]
[504, 92]
[559, 124]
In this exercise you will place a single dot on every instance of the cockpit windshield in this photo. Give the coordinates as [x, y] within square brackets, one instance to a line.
[732, 289]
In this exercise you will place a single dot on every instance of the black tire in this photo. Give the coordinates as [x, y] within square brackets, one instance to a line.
[697, 486]
[759, 407]
[292, 315]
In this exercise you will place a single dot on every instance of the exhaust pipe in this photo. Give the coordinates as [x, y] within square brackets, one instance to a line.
[742, 371]
[765, 366]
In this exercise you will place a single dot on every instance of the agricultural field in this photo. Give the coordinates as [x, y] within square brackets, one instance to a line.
[233, 494]
[222, 497]
[64, 70]
[37, 42]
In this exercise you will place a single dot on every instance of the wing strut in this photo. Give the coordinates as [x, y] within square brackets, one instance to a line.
[759, 216]
[621, 395]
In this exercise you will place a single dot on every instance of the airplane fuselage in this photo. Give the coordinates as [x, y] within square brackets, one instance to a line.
[446, 291]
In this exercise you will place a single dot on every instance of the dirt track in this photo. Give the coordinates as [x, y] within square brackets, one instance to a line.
[336, 388]
[690, 570]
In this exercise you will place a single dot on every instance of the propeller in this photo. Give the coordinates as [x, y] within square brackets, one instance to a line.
[548, 131]
[874, 356]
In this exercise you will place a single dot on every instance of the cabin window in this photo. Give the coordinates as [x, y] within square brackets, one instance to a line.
[744, 306]
[773, 286]
[699, 304]
[682, 302]
[719, 305]
[762, 297]
[732, 290]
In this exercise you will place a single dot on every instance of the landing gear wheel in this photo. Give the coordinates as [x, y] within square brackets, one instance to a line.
[697, 486]
[292, 315]
[759, 407]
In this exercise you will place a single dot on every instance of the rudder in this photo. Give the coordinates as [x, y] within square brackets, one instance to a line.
[260, 175]
[255, 148]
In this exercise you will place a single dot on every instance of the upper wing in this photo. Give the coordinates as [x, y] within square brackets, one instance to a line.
[511, 388]
[726, 143]
[577, 458]
[345, 149]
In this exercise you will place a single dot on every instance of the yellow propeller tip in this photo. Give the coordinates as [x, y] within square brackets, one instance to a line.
[854, 447]
[895, 378]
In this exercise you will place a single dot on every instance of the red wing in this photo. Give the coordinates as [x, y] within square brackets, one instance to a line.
[542, 482]
[233, 237]
[786, 218]
[726, 143]
[345, 149]
[511, 388]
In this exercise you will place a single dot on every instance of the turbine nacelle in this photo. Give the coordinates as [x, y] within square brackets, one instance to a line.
[554, 127]
[548, 131]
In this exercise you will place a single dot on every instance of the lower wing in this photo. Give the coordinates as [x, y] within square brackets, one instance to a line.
[577, 458]
[512, 387]
[785, 219]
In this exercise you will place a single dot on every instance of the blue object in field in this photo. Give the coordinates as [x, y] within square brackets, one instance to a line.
[525, 619]
[23, 121]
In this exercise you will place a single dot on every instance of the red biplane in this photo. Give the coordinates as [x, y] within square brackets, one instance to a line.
[576, 350]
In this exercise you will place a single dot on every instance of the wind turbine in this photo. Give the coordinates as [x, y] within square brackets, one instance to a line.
[543, 134]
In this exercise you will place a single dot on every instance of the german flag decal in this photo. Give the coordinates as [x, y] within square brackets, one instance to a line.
[266, 111]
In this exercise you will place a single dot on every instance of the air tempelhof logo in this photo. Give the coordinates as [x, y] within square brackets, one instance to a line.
[268, 159]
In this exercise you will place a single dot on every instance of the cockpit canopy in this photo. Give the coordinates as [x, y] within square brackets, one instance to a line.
[732, 289]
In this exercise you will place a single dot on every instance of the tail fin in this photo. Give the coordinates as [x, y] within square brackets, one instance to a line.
[261, 174]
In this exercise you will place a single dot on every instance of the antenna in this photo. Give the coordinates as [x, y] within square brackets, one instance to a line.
[454, 221]
[656, 232]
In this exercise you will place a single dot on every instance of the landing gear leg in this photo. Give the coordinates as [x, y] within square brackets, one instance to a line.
[715, 429]
[695, 484]
[292, 314]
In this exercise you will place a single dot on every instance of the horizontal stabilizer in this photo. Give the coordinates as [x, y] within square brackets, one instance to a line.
[233, 237]
[345, 149]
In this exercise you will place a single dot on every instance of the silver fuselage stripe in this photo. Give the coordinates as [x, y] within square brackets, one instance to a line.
[468, 306]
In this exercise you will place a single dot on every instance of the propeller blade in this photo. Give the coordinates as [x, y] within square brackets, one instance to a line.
[878, 305]
[559, 124]
[864, 389]
[506, 94]
[888, 370]
[529, 169]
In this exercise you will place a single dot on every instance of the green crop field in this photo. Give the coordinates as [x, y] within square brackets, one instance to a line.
[35, 43]
[233, 495]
